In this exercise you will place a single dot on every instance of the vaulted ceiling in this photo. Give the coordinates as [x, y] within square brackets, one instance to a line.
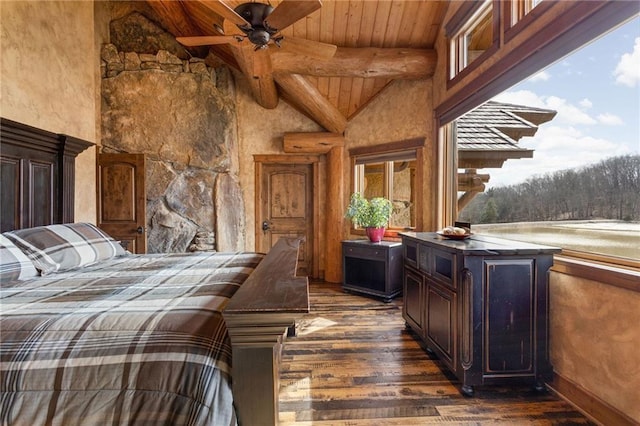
[362, 46]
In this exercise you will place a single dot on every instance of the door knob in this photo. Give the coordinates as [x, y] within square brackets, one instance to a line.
[140, 230]
[265, 225]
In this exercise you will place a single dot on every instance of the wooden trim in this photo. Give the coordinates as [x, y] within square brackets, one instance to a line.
[318, 236]
[461, 17]
[606, 260]
[388, 147]
[286, 159]
[511, 31]
[473, 65]
[589, 404]
[617, 276]
[312, 143]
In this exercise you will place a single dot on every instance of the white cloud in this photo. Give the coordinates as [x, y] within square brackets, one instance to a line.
[568, 113]
[541, 76]
[563, 143]
[555, 148]
[521, 97]
[610, 119]
[586, 103]
[627, 70]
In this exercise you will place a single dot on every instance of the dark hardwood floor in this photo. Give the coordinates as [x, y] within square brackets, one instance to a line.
[353, 362]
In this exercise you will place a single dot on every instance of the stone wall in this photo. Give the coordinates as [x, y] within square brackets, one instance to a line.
[180, 113]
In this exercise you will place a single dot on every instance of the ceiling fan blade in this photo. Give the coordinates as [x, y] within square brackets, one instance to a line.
[290, 11]
[261, 62]
[309, 48]
[225, 11]
[205, 40]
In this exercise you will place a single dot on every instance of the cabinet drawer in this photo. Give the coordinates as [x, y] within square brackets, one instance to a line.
[443, 268]
[365, 252]
[410, 252]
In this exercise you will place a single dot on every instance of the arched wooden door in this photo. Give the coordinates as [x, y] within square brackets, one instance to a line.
[122, 199]
[284, 207]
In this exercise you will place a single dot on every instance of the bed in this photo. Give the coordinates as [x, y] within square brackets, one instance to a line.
[92, 334]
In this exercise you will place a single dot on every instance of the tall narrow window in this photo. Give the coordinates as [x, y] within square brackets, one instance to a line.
[473, 39]
[520, 8]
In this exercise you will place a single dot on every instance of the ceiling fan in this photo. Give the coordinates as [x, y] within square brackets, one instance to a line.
[261, 23]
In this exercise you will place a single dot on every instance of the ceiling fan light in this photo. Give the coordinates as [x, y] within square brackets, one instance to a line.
[259, 37]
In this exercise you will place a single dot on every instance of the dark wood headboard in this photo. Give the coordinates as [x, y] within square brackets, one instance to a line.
[37, 176]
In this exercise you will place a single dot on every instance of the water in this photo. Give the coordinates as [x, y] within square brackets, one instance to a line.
[608, 237]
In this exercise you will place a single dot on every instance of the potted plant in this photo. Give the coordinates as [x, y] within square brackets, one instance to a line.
[373, 215]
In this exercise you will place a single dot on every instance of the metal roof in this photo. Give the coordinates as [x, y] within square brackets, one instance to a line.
[489, 135]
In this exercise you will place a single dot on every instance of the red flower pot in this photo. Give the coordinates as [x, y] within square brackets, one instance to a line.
[375, 234]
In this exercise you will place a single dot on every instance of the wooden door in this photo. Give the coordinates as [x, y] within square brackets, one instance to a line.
[122, 199]
[285, 208]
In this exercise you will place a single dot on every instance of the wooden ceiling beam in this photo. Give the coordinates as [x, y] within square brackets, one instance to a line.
[256, 66]
[258, 74]
[364, 62]
[471, 181]
[306, 97]
[173, 15]
[312, 143]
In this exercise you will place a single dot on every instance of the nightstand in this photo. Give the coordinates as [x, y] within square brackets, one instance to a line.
[373, 269]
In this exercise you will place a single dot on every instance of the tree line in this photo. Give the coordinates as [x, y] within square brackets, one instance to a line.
[609, 189]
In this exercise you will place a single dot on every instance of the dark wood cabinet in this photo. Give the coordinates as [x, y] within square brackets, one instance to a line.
[481, 305]
[373, 269]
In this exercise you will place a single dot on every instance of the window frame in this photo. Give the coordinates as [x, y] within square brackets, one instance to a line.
[391, 151]
[463, 23]
[485, 86]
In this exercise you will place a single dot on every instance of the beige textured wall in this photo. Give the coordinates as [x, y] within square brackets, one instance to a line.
[404, 110]
[48, 78]
[595, 337]
[261, 131]
[401, 111]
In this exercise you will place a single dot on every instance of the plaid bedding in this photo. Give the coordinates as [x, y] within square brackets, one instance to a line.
[134, 340]
[61, 247]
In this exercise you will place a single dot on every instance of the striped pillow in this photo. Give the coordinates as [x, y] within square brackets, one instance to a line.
[14, 264]
[57, 248]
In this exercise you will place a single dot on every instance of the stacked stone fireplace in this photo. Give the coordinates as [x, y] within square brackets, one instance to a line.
[179, 111]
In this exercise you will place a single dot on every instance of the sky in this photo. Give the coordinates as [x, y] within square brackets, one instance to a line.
[596, 93]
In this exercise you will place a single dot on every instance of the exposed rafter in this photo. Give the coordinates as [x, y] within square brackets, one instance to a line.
[306, 70]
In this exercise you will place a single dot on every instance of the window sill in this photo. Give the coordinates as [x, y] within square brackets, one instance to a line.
[627, 277]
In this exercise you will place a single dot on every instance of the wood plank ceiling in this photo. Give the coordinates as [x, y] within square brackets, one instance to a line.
[377, 41]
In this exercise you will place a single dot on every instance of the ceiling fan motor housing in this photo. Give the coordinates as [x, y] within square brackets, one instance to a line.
[255, 14]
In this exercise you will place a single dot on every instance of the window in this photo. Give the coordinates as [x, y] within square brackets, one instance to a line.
[520, 8]
[580, 187]
[390, 175]
[472, 40]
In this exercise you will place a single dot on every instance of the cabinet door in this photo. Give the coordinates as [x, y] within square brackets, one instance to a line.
[509, 319]
[441, 322]
[413, 301]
